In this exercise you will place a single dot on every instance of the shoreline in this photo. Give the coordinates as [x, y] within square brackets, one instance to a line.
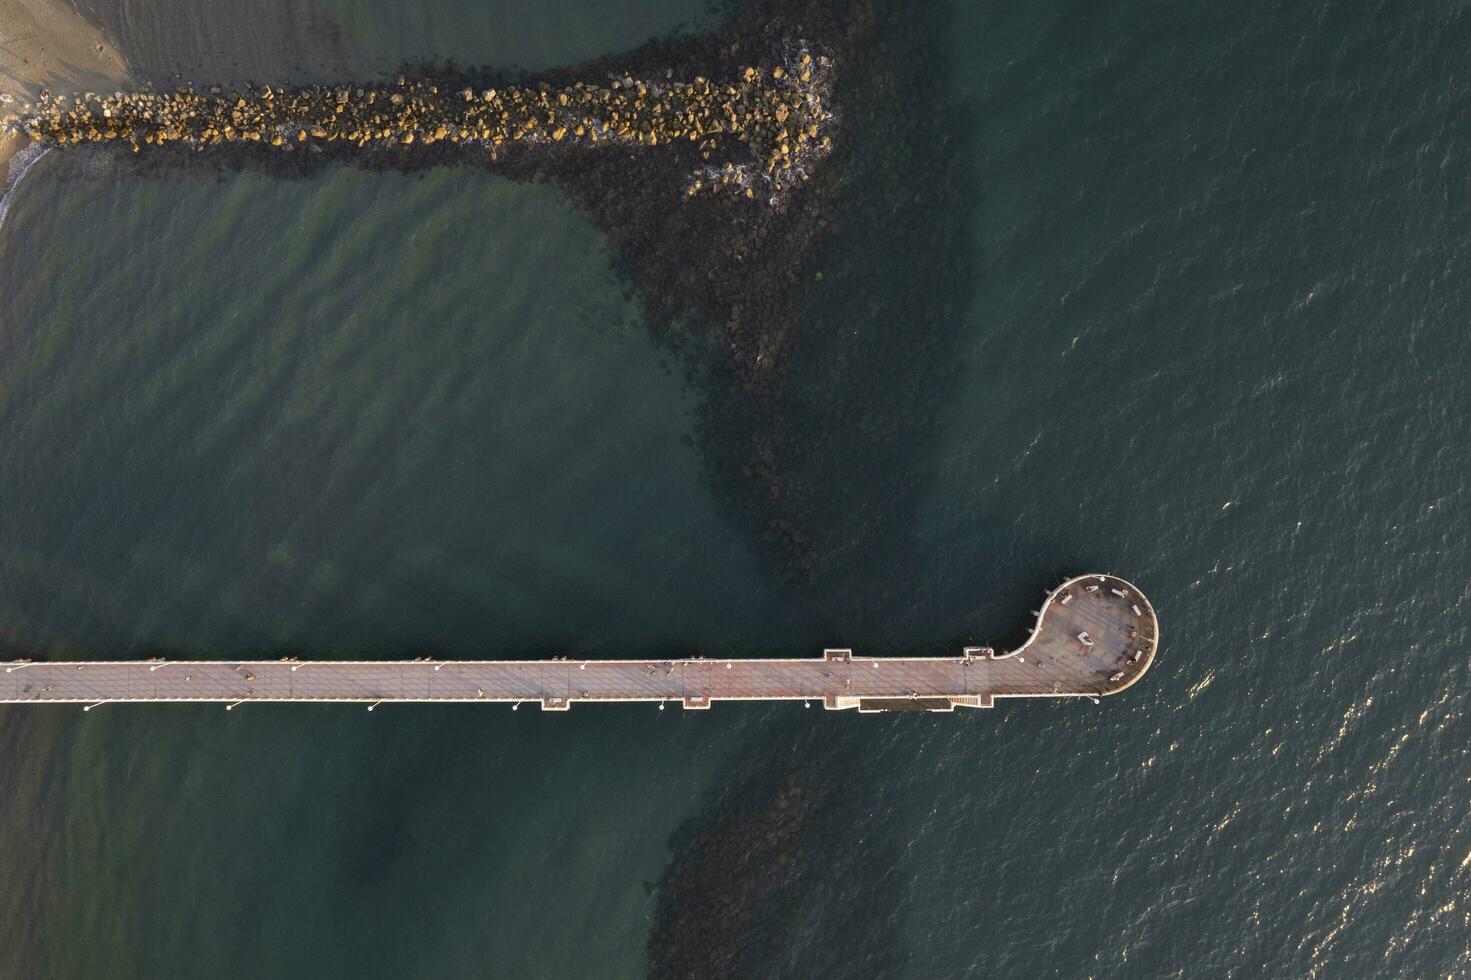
[50, 45]
[19, 166]
[11, 143]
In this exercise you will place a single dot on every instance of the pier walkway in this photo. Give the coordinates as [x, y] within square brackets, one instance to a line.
[1095, 635]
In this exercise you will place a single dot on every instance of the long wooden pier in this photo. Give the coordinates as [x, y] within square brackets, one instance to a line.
[1095, 635]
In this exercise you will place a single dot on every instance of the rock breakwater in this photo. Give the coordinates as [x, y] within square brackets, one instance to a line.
[818, 324]
[757, 133]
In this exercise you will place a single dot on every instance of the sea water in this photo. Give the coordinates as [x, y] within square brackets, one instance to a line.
[1215, 343]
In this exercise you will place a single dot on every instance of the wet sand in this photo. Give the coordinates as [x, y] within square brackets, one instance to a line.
[10, 143]
[47, 44]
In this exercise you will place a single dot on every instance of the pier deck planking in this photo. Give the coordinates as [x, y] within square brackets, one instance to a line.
[1053, 662]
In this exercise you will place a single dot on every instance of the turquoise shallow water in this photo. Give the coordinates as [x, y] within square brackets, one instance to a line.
[1216, 343]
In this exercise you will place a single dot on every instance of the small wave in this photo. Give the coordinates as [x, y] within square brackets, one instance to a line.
[20, 164]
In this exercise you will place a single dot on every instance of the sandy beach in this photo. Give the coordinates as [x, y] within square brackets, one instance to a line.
[47, 44]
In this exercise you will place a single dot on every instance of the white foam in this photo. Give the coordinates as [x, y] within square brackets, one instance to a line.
[20, 164]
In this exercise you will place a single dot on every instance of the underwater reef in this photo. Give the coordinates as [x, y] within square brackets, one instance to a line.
[791, 868]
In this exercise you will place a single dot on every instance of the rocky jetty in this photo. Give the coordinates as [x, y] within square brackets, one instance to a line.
[818, 322]
[757, 133]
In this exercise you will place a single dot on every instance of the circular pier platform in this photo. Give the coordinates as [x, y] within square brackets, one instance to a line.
[1095, 635]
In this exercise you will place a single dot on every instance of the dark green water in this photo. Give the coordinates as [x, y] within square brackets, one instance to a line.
[1216, 343]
